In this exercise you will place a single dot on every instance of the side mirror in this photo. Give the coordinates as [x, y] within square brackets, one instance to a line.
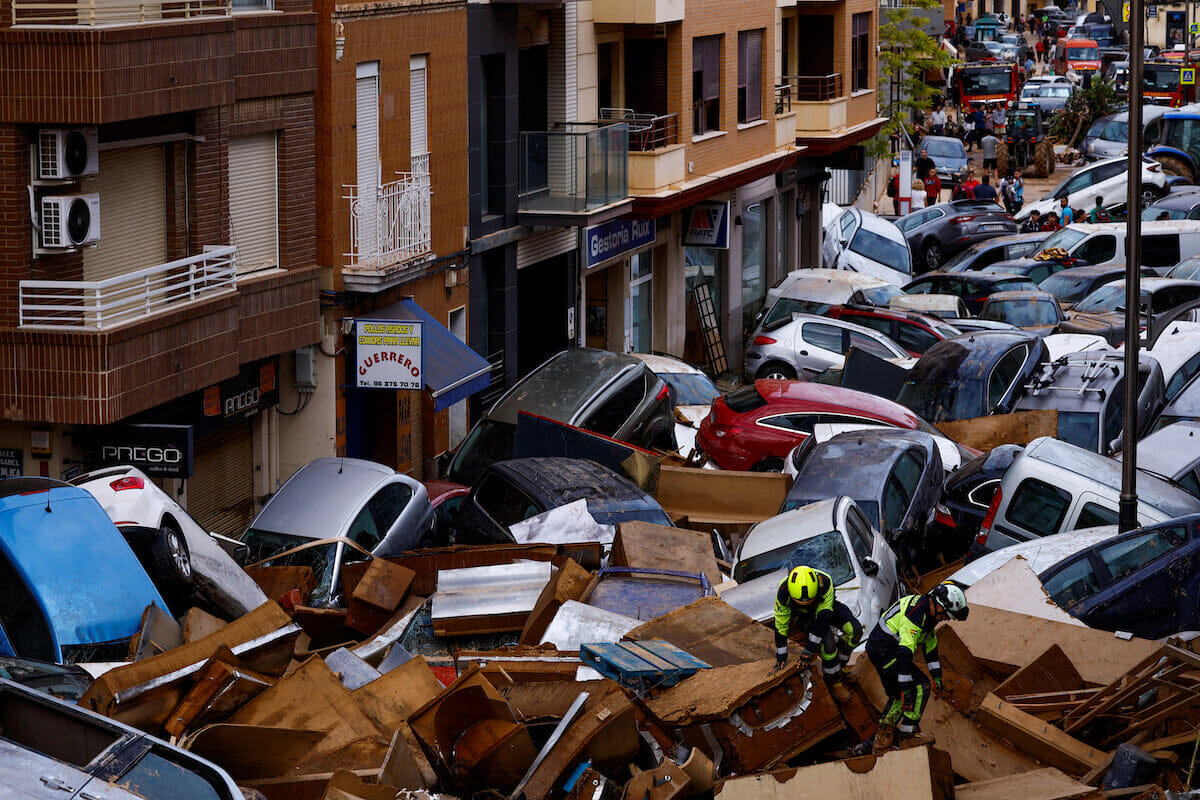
[241, 555]
[869, 567]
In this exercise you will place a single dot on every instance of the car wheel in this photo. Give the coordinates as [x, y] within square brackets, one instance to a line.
[1150, 195]
[1172, 165]
[768, 465]
[931, 254]
[776, 370]
[171, 564]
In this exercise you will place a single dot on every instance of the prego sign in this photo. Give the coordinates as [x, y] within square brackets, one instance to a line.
[161, 451]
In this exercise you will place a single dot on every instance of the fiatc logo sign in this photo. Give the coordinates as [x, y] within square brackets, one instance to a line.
[707, 226]
[388, 354]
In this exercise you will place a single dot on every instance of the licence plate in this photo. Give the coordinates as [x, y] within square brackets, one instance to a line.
[991, 226]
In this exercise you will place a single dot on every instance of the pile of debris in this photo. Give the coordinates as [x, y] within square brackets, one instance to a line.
[567, 681]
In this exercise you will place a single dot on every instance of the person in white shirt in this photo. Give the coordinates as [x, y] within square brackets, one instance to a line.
[937, 122]
[918, 194]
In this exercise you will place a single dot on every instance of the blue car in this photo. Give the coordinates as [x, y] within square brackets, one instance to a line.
[73, 591]
[1145, 581]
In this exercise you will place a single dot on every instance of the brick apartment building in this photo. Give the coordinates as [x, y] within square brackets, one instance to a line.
[158, 248]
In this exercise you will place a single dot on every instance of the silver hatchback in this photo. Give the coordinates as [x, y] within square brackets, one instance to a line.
[806, 345]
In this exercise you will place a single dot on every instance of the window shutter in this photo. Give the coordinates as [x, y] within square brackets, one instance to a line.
[753, 75]
[133, 213]
[366, 120]
[254, 201]
[711, 65]
[418, 105]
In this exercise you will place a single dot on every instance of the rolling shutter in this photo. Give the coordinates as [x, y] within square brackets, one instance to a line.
[417, 105]
[750, 72]
[366, 130]
[133, 213]
[706, 59]
[545, 244]
[220, 493]
[253, 201]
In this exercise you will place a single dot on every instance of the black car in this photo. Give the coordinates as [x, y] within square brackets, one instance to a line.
[895, 477]
[1103, 311]
[512, 491]
[967, 496]
[940, 231]
[1072, 285]
[1146, 581]
[1033, 269]
[1176, 205]
[1001, 248]
[973, 287]
[972, 375]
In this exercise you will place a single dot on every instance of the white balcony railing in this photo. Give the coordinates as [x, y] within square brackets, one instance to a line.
[92, 13]
[390, 224]
[98, 305]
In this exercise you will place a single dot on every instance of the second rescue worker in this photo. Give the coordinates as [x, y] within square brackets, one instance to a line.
[806, 602]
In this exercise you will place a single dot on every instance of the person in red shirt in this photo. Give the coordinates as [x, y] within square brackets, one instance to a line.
[933, 187]
[1051, 223]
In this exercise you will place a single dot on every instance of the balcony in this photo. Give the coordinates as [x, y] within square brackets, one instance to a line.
[656, 159]
[577, 174]
[819, 102]
[101, 305]
[638, 12]
[93, 13]
[390, 230]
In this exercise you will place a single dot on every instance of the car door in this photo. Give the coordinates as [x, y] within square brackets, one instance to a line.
[387, 507]
[837, 237]
[876, 592]
[1149, 577]
[1096, 249]
[896, 513]
[818, 347]
[878, 347]
[1160, 251]
[1003, 379]
[1075, 187]
[1108, 181]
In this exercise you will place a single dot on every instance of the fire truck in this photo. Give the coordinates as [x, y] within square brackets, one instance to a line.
[1161, 84]
[987, 82]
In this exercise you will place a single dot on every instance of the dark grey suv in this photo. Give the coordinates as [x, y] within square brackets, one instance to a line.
[609, 393]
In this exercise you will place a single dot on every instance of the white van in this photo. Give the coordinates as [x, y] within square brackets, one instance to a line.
[1164, 244]
[1053, 486]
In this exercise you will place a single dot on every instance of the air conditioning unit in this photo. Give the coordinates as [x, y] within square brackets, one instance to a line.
[69, 220]
[64, 153]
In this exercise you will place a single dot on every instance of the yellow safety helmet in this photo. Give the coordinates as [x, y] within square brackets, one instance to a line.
[802, 584]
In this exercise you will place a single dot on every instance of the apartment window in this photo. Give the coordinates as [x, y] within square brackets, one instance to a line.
[254, 201]
[859, 52]
[750, 75]
[706, 84]
[417, 106]
[366, 132]
[133, 212]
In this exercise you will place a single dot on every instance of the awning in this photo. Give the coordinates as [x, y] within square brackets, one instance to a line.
[452, 370]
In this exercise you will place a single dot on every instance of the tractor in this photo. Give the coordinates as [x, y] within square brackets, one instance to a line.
[1179, 144]
[1025, 145]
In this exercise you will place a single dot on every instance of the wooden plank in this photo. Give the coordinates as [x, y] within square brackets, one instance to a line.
[644, 544]
[1051, 671]
[922, 773]
[1037, 738]
[704, 495]
[1174, 740]
[1121, 688]
[984, 433]
[712, 631]
[252, 752]
[1040, 784]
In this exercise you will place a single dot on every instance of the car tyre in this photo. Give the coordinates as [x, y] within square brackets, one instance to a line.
[171, 564]
[1150, 195]
[776, 370]
[1176, 166]
[931, 254]
[768, 465]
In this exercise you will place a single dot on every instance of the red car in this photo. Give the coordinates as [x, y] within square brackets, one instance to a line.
[916, 333]
[754, 427]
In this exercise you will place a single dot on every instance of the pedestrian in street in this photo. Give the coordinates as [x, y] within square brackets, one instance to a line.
[933, 187]
[806, 603]
[1065, 214]
[1017, 190]
[985, 190]
[1028, 67]
[1005, 190]
[1099, 213]
[966, 189]
[923, 164]
[917, 200]
[968, 126]
[906, 627]
[999, 120]
[988, 144]
[1051, 223]
[1033, 223]
[937, 121]
[1040, 47]
[893, 191]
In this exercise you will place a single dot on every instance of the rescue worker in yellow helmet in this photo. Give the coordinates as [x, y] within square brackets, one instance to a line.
[806, 603]
[908, 625]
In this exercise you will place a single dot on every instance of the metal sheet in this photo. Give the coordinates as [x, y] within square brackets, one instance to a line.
[576, 624]
[563, 525]
[490, 591]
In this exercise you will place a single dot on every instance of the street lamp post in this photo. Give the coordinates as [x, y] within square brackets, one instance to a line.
[1127, 519]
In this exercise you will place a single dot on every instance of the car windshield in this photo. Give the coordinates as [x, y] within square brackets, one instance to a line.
[1160, 78]
[1116, 131]
[1055, 91]
[691, 389]
[992, 81]
[1097, 128]
[1155, 213]
[1066, 288]
[937, 391]
[880, 295]
[1022, 313]
[1065, 238]
[1080, 428]
[489, 442]
[1083, 53]
[1110, 297]
[1187, 269]
[941, 148]
[826, 552]
[786, 306]
[263, 546]
[884, 251]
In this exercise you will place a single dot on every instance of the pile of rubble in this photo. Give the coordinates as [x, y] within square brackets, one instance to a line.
[610, 697]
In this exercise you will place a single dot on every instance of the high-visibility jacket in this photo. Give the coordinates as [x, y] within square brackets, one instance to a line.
[816, 617]
[908, 625]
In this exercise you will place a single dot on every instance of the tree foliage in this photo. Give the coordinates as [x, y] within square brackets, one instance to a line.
[1082, 109]
[906, 51]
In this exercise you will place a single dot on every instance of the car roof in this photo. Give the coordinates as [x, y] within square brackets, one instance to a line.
[1148, 226]
[831, 277]
[660, 364]
[1092, 269]
[901, 314]
[570, 479]
[321, 498]
[836, 398]
[862, 457]
[563, 385]
[1188, 200]
[1020, 294]
[877, 224]
[794, 525]
[1170, 448]
[1041, 552]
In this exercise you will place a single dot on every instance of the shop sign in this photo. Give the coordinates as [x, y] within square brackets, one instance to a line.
[388, 354]
[617, 237]
[160, 451]
[707, 225]
[255, 387]
[11, 462]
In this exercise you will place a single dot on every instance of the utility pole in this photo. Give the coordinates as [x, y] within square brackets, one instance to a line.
[1127, 519]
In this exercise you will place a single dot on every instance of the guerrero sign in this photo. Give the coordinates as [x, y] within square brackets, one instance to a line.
[389, 354]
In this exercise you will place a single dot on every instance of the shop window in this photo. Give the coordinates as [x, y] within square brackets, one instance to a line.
[641, 302]
[754, 267]
[706, 84]
[860, 52]
[701, 266]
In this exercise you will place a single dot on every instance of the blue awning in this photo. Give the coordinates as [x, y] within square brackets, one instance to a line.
[452, 370]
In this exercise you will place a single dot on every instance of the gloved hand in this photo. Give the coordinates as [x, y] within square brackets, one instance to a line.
[939, 690]
[908, 700]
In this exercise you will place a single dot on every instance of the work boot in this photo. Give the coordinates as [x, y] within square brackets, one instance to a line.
[885, 738]
[840, 691]
[915, 740]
